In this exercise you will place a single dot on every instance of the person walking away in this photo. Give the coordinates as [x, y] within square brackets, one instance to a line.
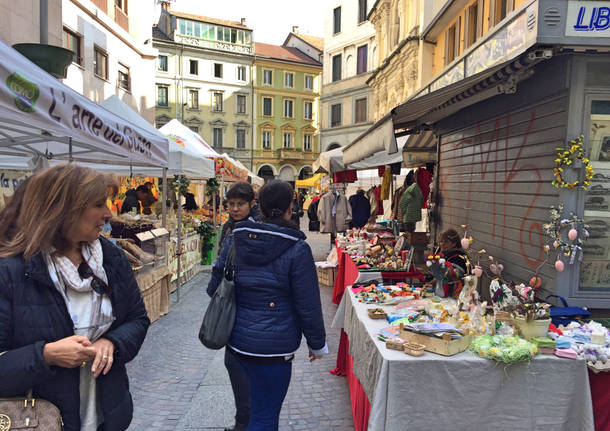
[71, 313]
[297, 212]
[278, 301]
[241, 204]
[361, 208]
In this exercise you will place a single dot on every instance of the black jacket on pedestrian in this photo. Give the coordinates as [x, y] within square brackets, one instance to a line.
[361, 208]
[33, 313]
[130, 201]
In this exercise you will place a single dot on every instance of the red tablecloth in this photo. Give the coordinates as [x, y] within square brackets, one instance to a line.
[600, 395]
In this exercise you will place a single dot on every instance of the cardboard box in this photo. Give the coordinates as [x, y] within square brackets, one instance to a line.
[326, 276]
[443, 346]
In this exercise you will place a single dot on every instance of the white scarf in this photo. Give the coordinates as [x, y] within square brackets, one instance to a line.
[64, 275]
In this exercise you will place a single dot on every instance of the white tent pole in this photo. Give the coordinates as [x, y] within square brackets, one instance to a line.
[179, 245]
[164, 199]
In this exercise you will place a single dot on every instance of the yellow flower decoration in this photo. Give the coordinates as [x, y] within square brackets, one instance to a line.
[566, 158]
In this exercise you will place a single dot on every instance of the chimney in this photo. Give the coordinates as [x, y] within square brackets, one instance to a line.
[295, 29]
[243, 21]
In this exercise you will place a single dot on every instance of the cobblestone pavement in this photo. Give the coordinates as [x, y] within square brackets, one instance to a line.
[177, 384]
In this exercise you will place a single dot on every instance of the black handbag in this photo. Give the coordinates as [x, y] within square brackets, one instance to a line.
[219, 317]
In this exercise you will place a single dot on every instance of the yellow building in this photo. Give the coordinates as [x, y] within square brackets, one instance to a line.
[286, 112]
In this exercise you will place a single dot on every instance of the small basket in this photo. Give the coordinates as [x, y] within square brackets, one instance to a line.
[376, 313]
[414, 349]
[395, 345]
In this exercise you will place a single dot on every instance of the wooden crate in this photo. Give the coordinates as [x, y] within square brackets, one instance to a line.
[326, 276]
[442, 346]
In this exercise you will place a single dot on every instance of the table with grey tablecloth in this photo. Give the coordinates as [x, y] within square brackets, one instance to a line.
[464, 391]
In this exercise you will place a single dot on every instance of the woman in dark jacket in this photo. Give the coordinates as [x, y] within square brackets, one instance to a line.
[278, 301]
[71, 313]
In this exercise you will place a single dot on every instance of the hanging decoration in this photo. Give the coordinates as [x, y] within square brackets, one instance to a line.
[567, 235]
[568, 158]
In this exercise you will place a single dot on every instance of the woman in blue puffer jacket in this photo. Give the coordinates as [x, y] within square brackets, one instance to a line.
[278, 301]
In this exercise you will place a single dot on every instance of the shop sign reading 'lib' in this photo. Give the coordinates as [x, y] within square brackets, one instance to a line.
[588, 19]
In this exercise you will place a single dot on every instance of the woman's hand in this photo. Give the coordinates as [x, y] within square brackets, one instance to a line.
[69, 352]
[104, 357]
[313, 356]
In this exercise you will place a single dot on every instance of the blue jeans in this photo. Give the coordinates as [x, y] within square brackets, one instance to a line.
[241, 388]
[268, 387]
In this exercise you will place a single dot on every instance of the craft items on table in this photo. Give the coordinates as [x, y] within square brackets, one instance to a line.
[376, 313]
[414, 349]
[503, 348]
[386, 294]
[566, 235]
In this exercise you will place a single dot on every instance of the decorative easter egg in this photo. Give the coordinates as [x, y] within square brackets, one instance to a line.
[500, 268]
[465, 243]
[535, 282]
[493, 268]
[478, 271]
[428, 263]
[572, 234]
[441, 261]
[555, 244]
[559, 266]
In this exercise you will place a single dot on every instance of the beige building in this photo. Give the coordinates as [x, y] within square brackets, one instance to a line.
[111, 47]
[350, 53]
[396, 77]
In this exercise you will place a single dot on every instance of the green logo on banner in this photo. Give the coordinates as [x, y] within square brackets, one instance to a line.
[26, 93]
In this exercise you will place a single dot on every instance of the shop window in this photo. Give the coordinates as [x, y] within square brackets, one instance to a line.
[72, 41]
[217, 137]
[162, 63]
[361, 111]
[123, 77]
[241, 139]
[266, 139]
[595, 266]
[308, 110]
[162, 96]
[335, 115]
[362, 59]
[217, 102]
[193, 101]
[336, 67]
[194, 67]
[288, 108]
[361, 11]
[100, 63]
[217, 70]
[241, 103]
[337, 20]
[267, 106]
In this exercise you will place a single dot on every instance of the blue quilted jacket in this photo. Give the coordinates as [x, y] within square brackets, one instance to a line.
[276, 286]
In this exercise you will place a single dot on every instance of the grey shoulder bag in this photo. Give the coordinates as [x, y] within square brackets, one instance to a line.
[219, 317]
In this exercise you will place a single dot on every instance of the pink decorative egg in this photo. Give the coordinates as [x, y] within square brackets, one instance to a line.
[465, 243]
[493, 268]
[478, 271]
[559, 266]
[572, 234]
[500, 268]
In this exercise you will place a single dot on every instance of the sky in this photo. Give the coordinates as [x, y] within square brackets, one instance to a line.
[271, 20]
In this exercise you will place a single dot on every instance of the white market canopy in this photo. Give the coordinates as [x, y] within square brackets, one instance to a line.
[329, 162]
[255, 179]
[41, 117]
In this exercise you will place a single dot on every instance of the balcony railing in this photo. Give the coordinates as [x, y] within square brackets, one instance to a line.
[121, 18]
[101, 4]
[285, 154]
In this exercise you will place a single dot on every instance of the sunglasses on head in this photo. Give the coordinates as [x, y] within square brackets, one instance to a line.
[98, 285]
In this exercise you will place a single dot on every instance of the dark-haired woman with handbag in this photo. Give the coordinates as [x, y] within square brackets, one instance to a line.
[278, 301]
[71, 313]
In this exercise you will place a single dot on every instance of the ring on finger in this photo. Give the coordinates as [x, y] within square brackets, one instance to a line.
[105, 357]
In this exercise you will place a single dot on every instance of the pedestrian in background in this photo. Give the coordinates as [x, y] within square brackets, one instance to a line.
[241, 205]
[71, 313]
[278, 301]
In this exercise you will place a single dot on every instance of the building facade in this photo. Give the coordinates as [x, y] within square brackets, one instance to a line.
[286, 113]
[350, 52]
[204, 79]
[110, 46]
[397, 76]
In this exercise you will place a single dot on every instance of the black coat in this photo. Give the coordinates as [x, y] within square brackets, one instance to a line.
[361, 208]
[33, 313]
[130, 201]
